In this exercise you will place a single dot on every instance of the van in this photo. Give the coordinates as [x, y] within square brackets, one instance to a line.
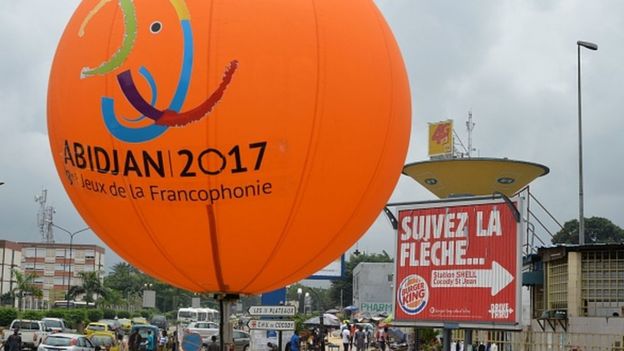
[160, 321]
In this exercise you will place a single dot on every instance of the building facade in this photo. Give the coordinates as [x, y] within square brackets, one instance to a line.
[55, 269]
[11, 259]
[373, 287]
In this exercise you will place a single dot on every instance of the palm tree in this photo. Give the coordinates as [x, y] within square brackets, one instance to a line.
[91, 285]
[25, 284]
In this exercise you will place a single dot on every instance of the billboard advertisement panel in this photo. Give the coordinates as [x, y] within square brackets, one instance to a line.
[458, 262]
[334, 270]
[441, 138]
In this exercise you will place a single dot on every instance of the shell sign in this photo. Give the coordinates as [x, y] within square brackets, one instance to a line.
[228, 146]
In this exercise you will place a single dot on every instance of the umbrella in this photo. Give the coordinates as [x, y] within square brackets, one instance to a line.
[351, 308]
[332, 311]
[329, 320]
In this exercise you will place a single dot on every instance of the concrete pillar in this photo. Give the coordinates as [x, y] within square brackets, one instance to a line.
[575, 303]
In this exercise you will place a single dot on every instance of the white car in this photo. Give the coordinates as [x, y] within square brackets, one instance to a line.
[204, 329]
[67, 342]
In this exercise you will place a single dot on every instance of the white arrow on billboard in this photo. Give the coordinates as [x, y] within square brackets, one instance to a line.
[496, 278]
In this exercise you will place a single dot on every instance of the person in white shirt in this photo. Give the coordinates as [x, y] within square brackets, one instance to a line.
[346, 338]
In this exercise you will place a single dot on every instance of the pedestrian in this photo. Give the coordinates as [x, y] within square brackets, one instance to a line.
[346, 337]
[13, 342]
[162, 342]
[134, 340]
[294, 341]
[151, 342]
[214, 346]
[369, 335]
[359, 339]
[380, 336]
[352, 331]
[174, 341]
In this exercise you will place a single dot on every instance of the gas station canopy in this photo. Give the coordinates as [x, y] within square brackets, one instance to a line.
[474, 176]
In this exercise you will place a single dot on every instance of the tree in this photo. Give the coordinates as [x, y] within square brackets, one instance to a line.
[24, 284]
[91, 285]
[341, 291]
[597, 230]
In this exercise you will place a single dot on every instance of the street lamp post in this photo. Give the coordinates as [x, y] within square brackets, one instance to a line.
[71, 242]
[593, 47]
[299, 302]
[321, 317]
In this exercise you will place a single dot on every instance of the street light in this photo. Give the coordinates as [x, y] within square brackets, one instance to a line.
[321, 317]
[593, 47]
[299, 303]
[71, 242]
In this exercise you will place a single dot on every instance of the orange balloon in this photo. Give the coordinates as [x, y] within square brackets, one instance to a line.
[228, 146]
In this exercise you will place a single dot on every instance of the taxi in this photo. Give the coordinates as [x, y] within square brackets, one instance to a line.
[105, 340]
[96, 327]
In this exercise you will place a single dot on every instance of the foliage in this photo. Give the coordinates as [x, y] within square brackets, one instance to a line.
[7, 315]
[109, 314]
[129, 283]
[123, 314]
[597, 230]
[76, 317]
[94, 315]
[91, 285]
[147, 314]
[34, 315]
[344, 286]
[25, 285]
[56, 313]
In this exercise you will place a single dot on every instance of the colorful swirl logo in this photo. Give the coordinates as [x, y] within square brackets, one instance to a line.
[161, 119]
[413, 294]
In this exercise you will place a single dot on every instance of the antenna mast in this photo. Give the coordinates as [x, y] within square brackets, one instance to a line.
[469, 127]
[44, 217]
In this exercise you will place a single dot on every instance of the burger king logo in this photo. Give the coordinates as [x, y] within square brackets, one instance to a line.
[413, 294]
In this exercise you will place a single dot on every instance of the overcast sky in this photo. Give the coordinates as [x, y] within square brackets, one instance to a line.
[513, 63]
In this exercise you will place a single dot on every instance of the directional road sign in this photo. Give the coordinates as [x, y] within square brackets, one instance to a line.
[270, 324]
[272, 311]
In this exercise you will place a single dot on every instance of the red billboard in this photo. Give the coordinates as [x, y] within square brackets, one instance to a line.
[458, 262]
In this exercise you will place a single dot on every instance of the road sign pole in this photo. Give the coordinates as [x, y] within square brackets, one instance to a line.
[279, 340]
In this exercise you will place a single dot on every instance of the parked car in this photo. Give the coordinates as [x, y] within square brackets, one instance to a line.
[32, 332]
[96, 327]
[105, 340]
[160, 321]
[55, 325]
[114, 326]
[67, 342]
[126, 325]
[204, 329]
[139, 320]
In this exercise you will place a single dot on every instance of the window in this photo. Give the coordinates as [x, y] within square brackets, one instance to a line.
[89, 253]
[59, 281]
[29, 252]
[29, 265]
[558, 284]
[602, 286]
[60, 252]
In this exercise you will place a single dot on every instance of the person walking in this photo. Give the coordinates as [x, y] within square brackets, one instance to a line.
[359, 339]
[214, 346]
[346, 338]
[13, 342]
[380, 336]
[174, 341]
[295, 341]
[134, 340]
[151, 342]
